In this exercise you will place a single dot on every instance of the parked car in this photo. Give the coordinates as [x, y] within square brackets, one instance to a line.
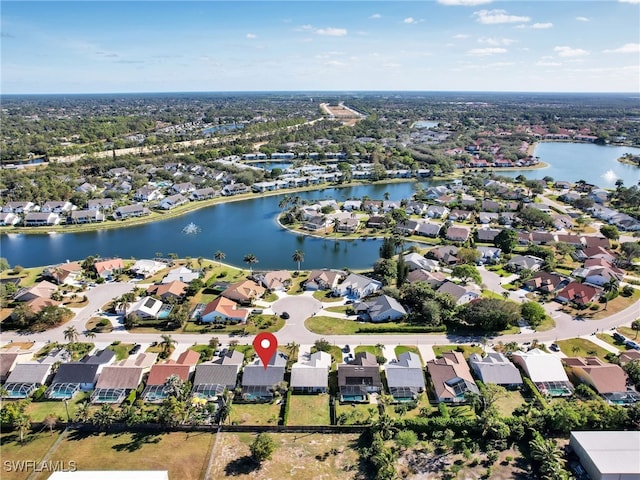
[134, 349]
[284, 315]
[554, 347]
[346, 349]
[619, 337]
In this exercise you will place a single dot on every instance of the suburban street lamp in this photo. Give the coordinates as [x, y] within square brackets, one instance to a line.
[66, 407]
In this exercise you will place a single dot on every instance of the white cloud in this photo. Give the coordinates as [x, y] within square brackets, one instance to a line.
[411, 21]
[375, 16]
[461, 36]
[582, 19]
[565, 51]
[496, 41]
[629, 1]
[335, 63]
[483, 52]
[464, 3]
[490, 17]
[541, 63]
[542, 25]
[626, 48]
[332, 32]
[251, 36]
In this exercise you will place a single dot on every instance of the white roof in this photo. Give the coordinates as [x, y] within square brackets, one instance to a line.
[612, 453]
[541, 366]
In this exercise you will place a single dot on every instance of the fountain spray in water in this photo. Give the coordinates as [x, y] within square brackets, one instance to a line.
[191, 229]
[610, 176]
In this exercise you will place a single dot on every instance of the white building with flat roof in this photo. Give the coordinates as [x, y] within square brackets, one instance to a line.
[608, 455]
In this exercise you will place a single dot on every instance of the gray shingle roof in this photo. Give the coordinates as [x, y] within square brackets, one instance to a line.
[29, 373]
[495, 368]
[216, 374]
[76, 372]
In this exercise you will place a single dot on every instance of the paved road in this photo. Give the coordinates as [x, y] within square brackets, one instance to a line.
[301, 307]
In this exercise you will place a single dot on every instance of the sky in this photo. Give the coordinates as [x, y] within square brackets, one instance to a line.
[420, 45]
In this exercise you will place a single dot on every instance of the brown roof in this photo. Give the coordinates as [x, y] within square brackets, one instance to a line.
[226, 307]
[578, 293]
[604, 377]
[244, 291]
[160, 372]
[545, 281]
[188, 357]
[450, 366]
[175, 288]
[120, 377]
[112, 264]
[591, 242]
[629, 356]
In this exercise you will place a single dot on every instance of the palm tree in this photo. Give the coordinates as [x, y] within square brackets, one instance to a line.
[71, 334]
[336, 225]
[294, 349]
[200, 262]
[124, 301]
[90, 334]
[23, 424]
[82, 415]
[610, 287]
[250, 259]
[166, 344]
[219, 256]
[298, 257]
[635, 325]
[50, 421]
[225, 409]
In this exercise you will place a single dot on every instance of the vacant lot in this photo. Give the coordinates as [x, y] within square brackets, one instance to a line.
[309, 410]
[184, 455]
[581, 347]
[310, 456]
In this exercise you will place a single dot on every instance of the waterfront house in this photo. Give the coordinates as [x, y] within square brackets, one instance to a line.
[495, 368]
[107, 269]
[103, 204]
[357, 286]
[147, 194]
[545, 371]
[356, 380]
[451, 378]
[39, 219]
[147, 268]
[85, 216]
[223, 310]
[415, 261]
[173, 201]
[202, 194]
[214, 377]
[55, 206]
[64, 273]
[42, 289]
[437, 211]
[182, 274]
[235, 189]
[276, 280]
[259, 383]
[348, 225]
[168, 291]
[407, 227]
[380, 309]
[130, 211]
[428, 229]
[323, 279]
[457, 234]
[8, 219]
[433, 279]
[18, 207]
[183, 188]
[244, 291]
[376, 221]
[311, 375]
[405, 377]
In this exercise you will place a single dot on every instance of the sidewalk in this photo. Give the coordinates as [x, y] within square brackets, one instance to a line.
[601, 343]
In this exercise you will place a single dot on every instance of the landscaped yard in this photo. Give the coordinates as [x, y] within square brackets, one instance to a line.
[39, 410]
[121, 350]
[616, 305]
[255, 413]
[184, 454]
[309, 456]
[34, 448]
[605, 337]
[581, 347]
[373, 349]
[356, 413]
[309, 410]
[507, 404]
[629, 333]
[326, 296]
[423, 407]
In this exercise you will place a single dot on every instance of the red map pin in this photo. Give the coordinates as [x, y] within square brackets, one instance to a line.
[265, 344]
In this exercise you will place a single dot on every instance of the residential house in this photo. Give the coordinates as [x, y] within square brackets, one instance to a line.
[356, 380]
[460, 294]
[244, 291]
[350, 205]
[433, 279]
[570, 238]
[8, 219]
[147, 268]
[598, 271]
[522, 262]
[42, 289]
[85, 216]
[103, 204]
[18, 207]
[146, 307]
[39, 219]
[311, 375]
[577, 293]
[545, 371]
[495, 368]
[173, 201]
[457, 215]
[451, 378]
[130, 211]
[415, 261]
[489, 255]
[315, 222]
[202, 194]
[458, 234]
[55, 206]
[376, 221]
[357, 286]
[155, 390]
[407, 227]
[147, 194]
[183, 188]
[36, 305]
[607, 455]
[348, 225]
[437, 211]
[324, 279]
[10, 358]
[64, 273]
[486, 218]
[223, 310]
[73, 377]
[487, 234]
[213, 378]
[259, 381]
[405, 377]
[168, 291]
[542, 238]
[182, 274]
[445, 254]
[26, 378]
[276, 280]
[380, 309]
[608, 379]
[107, 269]
[490, 206]
[115, 382]
[628, 356]
[594, 242]
[545, 282]
[235, 189]
[428, 229]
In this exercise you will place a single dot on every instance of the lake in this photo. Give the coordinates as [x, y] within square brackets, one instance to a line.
[239, 228]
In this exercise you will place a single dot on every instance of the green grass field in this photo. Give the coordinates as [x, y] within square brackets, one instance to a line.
[35, 446]
[309, 410]
[466, 349]
[581, 347]
[400, 349]
[357, 413]
[255, 413]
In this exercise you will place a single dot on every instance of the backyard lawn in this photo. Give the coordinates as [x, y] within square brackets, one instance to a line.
[507, 404]
[255, 413]
[184, 454]
[39, 410]
[581, 347]
[309, 410]
[423, 407]
[310, 456]
[356, 413]
[34, 448]
[326, 296]
[121, 350]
